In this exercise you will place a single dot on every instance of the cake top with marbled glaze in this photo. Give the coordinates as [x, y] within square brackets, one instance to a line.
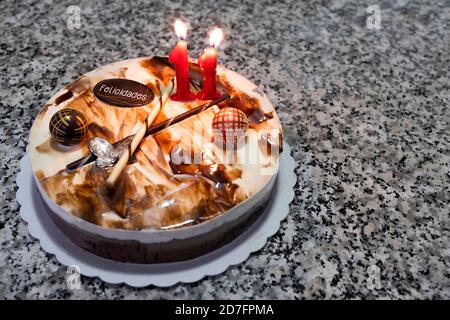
[153, 190]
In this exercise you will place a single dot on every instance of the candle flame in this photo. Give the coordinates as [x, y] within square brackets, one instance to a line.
[215, 38]
[180, 29]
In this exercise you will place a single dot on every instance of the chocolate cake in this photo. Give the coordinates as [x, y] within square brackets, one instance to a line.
[201, 174]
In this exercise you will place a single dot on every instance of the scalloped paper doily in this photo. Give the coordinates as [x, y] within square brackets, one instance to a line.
[164, 274]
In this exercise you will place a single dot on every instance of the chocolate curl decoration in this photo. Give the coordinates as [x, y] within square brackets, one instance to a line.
[154, 129]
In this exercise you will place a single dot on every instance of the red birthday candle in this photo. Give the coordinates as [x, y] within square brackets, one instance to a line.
[179, 57]
[208, 62]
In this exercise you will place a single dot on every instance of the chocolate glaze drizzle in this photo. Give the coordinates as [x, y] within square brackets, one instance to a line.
[65, 96]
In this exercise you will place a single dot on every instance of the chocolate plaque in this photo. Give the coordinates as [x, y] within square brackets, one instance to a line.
[123, 93]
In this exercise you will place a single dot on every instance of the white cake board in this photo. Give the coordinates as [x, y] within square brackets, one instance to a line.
[55, 242]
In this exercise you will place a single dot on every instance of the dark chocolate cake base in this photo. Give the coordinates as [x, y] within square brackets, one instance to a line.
[133, 251]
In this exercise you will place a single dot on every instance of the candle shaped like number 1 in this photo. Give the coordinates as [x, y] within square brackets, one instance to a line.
[179, 57]
[208, 63]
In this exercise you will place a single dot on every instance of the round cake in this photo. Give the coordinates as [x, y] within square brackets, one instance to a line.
[200, 174]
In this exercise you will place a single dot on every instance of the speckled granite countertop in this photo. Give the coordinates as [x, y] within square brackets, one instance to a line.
[366, 111]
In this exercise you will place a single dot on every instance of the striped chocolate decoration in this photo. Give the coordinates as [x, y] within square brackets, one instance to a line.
[229, 125]
[68, 127]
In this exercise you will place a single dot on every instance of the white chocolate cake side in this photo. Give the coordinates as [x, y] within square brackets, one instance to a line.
[179, 177]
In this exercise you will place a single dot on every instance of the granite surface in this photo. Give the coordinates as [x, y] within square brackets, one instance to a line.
[365, 109]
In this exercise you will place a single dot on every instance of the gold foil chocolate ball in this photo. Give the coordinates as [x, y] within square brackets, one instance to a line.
[68, 127]
[229, 125]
